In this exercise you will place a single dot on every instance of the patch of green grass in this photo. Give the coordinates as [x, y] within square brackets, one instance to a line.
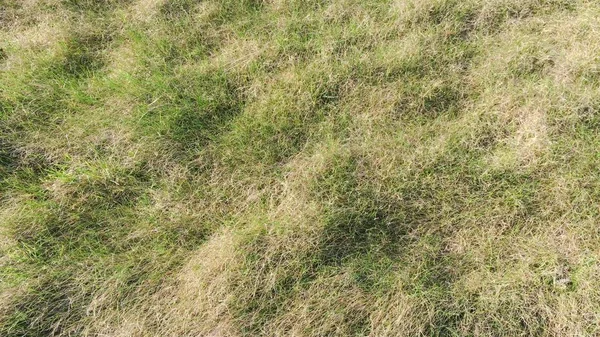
[94, 6]
[199, 111]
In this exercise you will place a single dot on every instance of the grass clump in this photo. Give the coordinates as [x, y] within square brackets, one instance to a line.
[299, 168]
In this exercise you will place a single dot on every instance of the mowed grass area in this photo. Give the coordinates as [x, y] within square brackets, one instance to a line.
[299, 168]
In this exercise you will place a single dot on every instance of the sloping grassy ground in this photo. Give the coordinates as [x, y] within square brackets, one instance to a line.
[299, 168]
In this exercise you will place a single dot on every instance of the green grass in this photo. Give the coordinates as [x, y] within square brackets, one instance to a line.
[299, 168]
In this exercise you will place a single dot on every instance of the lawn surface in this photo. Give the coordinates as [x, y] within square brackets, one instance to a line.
[299, 168]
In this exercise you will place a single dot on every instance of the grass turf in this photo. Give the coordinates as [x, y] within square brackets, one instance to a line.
[299, 168]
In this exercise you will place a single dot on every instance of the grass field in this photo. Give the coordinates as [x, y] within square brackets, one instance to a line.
[299, 168]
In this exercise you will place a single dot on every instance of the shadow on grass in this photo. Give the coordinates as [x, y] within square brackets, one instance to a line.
[8, 160]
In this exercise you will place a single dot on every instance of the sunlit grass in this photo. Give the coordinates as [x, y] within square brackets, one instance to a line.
[299, 168]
